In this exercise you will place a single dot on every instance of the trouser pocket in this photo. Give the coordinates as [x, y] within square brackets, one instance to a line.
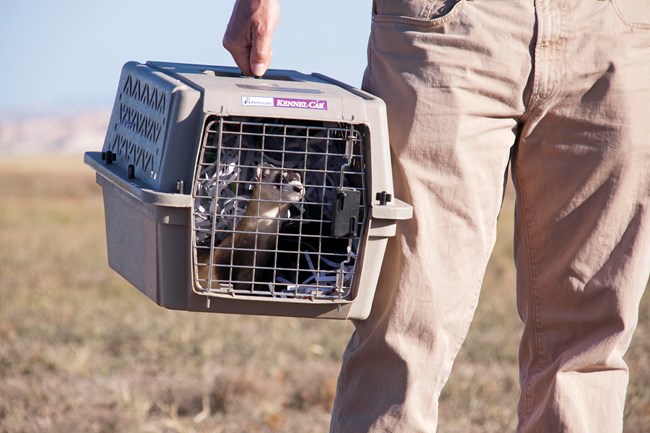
[634, 13]
[425, 10]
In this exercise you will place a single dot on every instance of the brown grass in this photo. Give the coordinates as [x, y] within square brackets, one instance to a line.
[82, 351]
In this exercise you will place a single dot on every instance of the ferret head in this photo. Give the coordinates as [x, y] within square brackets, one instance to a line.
[279, 185]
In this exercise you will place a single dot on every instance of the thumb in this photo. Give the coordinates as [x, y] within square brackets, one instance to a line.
[260, 54]
[261, 49]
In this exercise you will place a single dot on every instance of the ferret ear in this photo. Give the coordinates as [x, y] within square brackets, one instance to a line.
[263, 171]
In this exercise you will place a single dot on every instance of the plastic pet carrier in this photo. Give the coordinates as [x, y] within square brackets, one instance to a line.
[232, 194]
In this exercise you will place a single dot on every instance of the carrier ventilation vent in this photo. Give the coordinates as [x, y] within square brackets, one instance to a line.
[139, 125]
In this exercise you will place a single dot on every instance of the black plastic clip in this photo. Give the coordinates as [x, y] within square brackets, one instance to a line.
[383, 198]
[109, 157]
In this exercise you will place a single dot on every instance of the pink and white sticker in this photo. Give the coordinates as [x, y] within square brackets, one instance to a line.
[266, 101]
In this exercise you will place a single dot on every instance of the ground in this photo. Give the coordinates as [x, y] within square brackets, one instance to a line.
[83, 351]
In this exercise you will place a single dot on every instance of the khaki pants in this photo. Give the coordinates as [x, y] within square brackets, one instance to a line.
[560, 90]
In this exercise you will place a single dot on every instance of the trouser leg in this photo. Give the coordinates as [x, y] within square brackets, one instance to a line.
[453, 90]
[583, 215]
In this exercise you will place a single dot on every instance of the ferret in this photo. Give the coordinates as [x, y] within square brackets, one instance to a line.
[240, 255]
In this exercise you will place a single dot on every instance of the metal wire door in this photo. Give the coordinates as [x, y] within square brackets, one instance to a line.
[312, 251]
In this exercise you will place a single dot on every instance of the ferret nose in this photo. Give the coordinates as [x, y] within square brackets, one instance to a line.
[297, 188]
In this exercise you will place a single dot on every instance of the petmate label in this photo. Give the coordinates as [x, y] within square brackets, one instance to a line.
[259, 101]
[264, 101]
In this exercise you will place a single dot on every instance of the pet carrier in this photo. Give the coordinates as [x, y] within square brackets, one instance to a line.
[225, 193]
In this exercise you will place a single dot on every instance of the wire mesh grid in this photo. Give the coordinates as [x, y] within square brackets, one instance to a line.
[266, 197]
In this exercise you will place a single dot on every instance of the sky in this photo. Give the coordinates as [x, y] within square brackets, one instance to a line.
[69, 53]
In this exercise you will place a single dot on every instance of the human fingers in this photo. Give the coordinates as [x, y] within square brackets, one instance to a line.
[249, 34]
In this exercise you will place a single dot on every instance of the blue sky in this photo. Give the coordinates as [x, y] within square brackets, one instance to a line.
[70, 52]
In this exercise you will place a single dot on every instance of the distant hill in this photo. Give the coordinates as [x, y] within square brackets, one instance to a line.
[69, 131]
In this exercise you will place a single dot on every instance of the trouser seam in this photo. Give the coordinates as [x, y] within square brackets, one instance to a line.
[527, 386]
[475, 297]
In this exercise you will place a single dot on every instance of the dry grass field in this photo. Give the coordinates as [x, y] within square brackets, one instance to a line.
[83, 351]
